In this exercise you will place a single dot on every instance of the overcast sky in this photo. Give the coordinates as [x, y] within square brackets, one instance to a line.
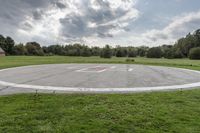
[99, 22]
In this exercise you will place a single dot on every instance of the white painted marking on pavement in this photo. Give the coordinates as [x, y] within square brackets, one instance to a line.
[130, 69]
[82, 89]
[73, 67]
[87, 70]
[113, 67]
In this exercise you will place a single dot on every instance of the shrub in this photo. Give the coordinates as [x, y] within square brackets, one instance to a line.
[130, 60]
[155, 52]
[194, 53]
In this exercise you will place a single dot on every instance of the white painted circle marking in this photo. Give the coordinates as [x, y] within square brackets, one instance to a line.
[79, 89]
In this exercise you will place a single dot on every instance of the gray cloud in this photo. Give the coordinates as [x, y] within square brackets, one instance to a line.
[179, 27]
[93, 21]
[36, 3]
[37, 15]
[77, 19]
[60, 5]
[96, 18]
[13, 12]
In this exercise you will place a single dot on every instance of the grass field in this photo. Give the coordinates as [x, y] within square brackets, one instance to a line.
[176, 111]
[13, 61]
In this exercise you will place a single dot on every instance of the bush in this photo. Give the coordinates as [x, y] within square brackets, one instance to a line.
[194, 53]
[169, 54]
[155, 52]
[130, 60]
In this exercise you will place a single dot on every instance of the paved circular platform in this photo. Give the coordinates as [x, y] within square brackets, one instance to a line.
[98, 78]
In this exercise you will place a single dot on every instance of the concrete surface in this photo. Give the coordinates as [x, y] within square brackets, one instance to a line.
[103, 78]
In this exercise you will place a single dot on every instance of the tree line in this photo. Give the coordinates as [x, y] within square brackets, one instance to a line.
[186, 47]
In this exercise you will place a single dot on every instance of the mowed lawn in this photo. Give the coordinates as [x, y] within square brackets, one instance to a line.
[175, 111]
[14, 61]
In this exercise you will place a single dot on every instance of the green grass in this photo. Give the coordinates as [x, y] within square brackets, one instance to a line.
[13, 61]
[177, 111]
[142, 112]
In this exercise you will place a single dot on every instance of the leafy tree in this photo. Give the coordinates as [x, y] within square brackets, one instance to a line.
[194, 53]
[197, 37]
[142, 51]
[169, 53]
[19, 49]
[180, 49]
[120, 51]
[34, 48]
[132, 52]
[7, 44]
[72, 52]
[56, 50]
[186, 43]
[85, 51]
[46, 49]
[95, 51]
[178, 54]
[2, 42]
[106, 52]
[154, 52]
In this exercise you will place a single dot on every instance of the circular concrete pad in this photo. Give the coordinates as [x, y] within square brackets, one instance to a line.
[98, 77]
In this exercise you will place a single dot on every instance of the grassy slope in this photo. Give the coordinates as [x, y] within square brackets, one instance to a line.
[141, 112]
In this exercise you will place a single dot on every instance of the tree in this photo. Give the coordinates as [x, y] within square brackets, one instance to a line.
[154, 52]
[180, 49]
[106, 52]
[186, 43]
[142, 51]
[2, 42]
[46, 49]
[56, 50]
[34, 48]
[197, 37]
[178, 54]
[169, 53]
[119, 53]
[132, 52]
[7, 44]
[96, 51]
[85, 51]
[194, 53]
[19, 49]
